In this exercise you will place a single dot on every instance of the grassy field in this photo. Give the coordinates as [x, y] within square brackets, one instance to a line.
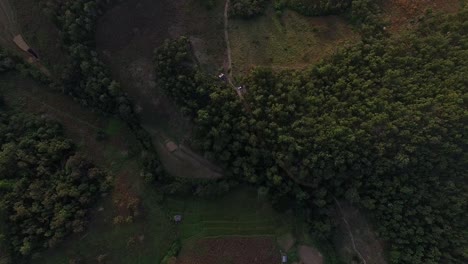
[287, 41]
[145, 241]
[202, 218]
[41, 34]
[241, 213]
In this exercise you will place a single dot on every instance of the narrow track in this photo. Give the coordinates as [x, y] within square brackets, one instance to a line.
[351, 236]
[228, 52]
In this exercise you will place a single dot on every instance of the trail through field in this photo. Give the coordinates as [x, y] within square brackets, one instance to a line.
[10, 29]
[228, 51]
[351, 236]
[8, 19]
[8, 22]
[226, 38]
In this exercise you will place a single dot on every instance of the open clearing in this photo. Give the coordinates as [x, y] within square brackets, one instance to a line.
[288, 41]
[356, 234]
[241, 213]
[234, 250]
[402, 14]
[239, 227]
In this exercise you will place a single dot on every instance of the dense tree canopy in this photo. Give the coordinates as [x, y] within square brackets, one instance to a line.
[46, 188]
[317, 7]
[381, 124]
[247, 8]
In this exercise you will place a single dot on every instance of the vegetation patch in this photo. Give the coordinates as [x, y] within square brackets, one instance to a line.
[286, 41]
[47, 188]
[225, 216]
[378, 124]
[247, 8]
[316, 7]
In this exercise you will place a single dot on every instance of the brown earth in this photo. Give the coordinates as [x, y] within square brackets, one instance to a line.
[231, 250]
[310, 255]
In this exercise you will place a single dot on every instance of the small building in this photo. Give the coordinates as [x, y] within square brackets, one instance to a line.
[222, 77]
[177, 218]
[284, 259]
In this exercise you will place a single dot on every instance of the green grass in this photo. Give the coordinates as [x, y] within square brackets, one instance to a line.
[41, 34]
[114, 126]
[240, 213]
[103, 237]
[286, 41]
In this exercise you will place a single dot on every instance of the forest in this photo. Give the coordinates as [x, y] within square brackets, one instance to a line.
[46, 187]
[380, 124]
[247, 8]
[317, 7]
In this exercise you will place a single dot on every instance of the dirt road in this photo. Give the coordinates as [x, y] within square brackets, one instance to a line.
[8, 22]
[228, 51]
[226, 38]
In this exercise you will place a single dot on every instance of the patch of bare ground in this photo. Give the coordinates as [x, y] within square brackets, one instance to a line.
[401, 14]
[310, 255]
[231, 250]
[286, 242]
[356, 239]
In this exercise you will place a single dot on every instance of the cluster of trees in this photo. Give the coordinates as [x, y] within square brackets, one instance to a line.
[381, 124]
[364, 14]
[6, 62]
[46, 188]
[88, 80]
[316, 7]
[247, 8]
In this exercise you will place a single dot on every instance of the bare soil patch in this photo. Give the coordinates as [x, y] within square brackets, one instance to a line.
[231, 250]
[286, 242]
[310, 255]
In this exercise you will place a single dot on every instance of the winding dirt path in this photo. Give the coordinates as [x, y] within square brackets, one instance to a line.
[228, 52]
[226, 38]
[351, 236]
[8, 21]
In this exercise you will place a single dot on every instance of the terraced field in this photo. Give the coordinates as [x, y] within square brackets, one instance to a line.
[228, 216]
